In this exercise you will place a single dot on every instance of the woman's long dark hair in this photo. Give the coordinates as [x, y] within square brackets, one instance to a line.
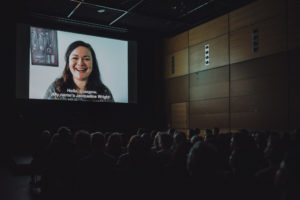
[66, 81]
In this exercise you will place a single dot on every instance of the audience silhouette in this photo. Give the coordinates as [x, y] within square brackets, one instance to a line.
[164, 165]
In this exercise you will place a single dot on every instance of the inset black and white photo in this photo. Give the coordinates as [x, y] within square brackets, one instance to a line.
[43, 44]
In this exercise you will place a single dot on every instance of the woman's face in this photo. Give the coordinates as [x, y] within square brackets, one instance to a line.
[80, 63]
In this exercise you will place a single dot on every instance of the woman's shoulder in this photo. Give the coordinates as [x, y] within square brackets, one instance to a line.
[53, 84]
[52, 90]
[105, 94]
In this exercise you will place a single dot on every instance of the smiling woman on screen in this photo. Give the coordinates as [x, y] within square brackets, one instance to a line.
[80, 80]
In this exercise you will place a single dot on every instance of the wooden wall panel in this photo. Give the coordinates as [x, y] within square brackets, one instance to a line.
[209, 84]
[209, 120]
[268, 103]
[176, 43]
[179, 115]
[260, 111]
[258, 90]
[258, 120]
[209, 113]
[255, 12]
[209, 30]
[263, 75]
[218, 53]
[293, 24]
[177, 90]
[210, 106]
[180, 64]
[259, 93]
[260, 67]
[258, 85]
[272, 39]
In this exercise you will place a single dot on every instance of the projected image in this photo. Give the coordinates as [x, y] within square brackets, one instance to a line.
[90, 68]
[81, 78]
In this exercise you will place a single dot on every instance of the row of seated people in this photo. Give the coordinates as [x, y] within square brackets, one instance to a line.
[167, 164]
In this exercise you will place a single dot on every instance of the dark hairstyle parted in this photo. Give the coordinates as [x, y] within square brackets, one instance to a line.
[94, 81]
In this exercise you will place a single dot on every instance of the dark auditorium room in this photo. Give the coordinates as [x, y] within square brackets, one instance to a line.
[150, 99]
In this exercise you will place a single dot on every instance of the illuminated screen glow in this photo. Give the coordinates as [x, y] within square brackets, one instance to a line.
[111, 54]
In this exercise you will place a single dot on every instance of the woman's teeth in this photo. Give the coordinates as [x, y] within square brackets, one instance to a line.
[81, 70]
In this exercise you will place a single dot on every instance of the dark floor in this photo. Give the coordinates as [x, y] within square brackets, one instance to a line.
[15, 179]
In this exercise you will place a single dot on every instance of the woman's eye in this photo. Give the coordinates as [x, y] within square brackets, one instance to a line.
[82, 59]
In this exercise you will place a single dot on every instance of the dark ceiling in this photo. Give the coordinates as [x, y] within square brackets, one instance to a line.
[162, 17]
